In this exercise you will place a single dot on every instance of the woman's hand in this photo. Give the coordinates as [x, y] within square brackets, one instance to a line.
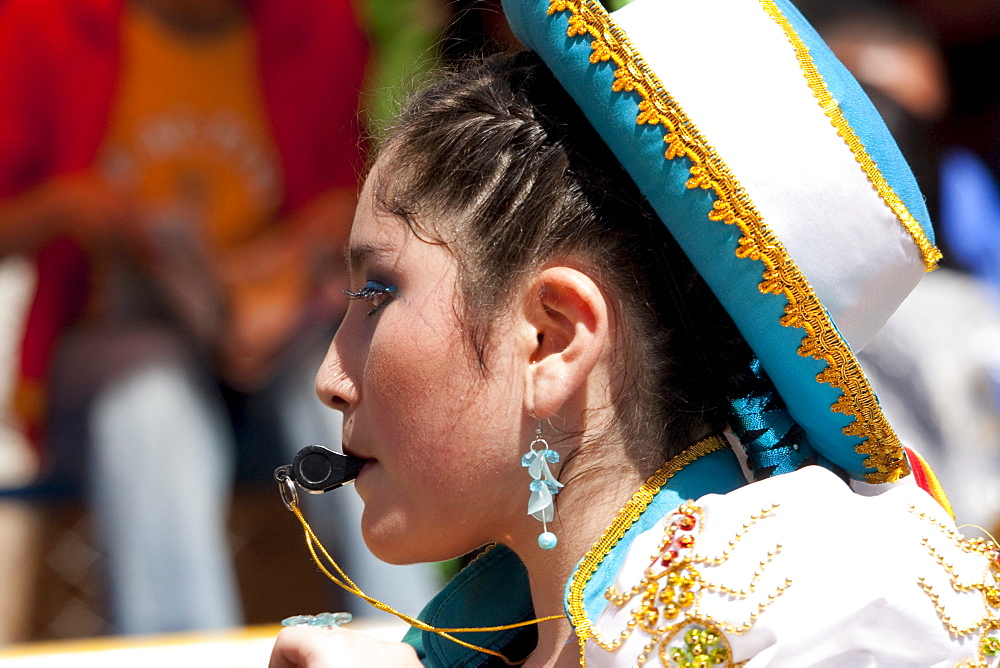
[311, 647]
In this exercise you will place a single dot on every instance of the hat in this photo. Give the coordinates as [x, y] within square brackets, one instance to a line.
[775, 174]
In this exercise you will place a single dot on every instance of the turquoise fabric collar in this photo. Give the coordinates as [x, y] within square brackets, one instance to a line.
[493, 590]
[715, 473]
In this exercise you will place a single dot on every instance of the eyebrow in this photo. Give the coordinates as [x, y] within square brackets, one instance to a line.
[359, 255]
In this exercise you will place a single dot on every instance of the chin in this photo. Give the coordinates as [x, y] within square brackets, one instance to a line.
[399, 553]
[400, 546]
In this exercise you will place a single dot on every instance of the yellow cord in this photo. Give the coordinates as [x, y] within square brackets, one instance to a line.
[348, 585]
[976, 526]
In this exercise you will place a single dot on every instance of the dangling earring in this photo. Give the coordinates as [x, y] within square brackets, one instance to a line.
[543, 485]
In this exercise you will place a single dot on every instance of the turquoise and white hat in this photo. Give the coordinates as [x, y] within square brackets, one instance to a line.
[773, 171]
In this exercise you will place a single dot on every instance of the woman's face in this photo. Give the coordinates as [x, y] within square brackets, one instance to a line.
[442, 438]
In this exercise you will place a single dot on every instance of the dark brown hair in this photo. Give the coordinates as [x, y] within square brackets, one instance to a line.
[498, 162]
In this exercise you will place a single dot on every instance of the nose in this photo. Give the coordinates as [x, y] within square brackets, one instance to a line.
[334, 385]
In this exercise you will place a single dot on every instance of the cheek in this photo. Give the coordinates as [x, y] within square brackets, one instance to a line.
[402, 383]
[423, 387]
[439, 415]
[448, 442]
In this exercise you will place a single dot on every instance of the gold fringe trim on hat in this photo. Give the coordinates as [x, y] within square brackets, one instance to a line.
[928, 251]
[734, 207]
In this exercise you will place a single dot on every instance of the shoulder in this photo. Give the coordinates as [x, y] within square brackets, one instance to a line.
[800, 570]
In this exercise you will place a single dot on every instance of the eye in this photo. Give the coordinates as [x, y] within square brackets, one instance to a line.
[374, 293]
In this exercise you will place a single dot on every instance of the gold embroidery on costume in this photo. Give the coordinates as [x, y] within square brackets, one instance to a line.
[733, 206]
[987, 587]
[671, 591]
[621, 524]
[928, 251]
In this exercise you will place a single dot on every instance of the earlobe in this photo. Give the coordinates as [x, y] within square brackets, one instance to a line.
[567, 313]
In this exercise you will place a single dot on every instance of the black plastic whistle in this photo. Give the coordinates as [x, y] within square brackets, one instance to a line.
[318, 469]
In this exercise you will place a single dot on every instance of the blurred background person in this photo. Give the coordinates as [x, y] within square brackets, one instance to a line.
[19, 519]
[183, 173]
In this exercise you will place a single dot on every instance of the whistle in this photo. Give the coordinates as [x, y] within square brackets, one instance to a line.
[317, 469]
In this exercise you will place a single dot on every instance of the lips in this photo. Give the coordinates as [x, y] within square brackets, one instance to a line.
[353, 453]
[369, 462]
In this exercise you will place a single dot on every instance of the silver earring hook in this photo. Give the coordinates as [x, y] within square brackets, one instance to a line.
[539, 439]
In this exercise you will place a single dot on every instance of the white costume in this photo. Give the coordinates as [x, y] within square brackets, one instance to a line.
[799, 570]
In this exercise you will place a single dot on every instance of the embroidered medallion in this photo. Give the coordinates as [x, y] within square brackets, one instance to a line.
[672, 588]
[694, 645]
[613, 534]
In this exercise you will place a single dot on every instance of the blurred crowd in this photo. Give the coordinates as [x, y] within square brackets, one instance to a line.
[177, 180]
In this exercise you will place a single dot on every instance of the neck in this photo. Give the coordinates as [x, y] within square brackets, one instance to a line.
[584, 509]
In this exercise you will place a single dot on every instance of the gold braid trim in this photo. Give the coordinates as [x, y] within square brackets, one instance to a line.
[928, 251]
[734, 207]
[627, 516]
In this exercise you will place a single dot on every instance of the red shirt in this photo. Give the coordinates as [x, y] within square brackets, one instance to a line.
[59, 64]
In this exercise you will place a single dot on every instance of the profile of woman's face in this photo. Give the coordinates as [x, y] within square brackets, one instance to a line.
[442, 438]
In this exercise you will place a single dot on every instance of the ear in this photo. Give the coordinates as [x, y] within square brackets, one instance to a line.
[566, 316]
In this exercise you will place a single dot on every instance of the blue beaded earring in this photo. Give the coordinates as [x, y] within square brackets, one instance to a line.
[543, 485]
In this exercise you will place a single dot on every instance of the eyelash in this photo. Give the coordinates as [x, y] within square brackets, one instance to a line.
[374, 293]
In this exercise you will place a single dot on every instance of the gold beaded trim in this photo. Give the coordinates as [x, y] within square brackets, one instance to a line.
[627, 516]
[733, 206]
[986, 625]
[670, 595]
[928, 251]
